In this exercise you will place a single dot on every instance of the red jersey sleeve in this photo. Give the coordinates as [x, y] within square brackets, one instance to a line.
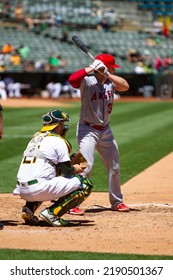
[76, 78]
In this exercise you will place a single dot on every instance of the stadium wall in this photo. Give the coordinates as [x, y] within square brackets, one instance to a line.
[33, 83]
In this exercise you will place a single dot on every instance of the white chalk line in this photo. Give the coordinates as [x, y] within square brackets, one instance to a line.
[151, 205]
[141, 205]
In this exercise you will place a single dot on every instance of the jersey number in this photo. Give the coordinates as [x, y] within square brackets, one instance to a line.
[29, 160]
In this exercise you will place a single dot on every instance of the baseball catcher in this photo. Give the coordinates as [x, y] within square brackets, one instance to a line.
[47, 154]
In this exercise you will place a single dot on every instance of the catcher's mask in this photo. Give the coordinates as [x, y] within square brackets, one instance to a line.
[53, 118]
[108, 60]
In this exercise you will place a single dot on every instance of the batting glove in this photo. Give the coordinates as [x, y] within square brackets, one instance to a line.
[103, 70]
[97, 64]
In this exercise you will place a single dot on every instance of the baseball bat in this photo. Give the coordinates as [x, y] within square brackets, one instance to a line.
[82, 46]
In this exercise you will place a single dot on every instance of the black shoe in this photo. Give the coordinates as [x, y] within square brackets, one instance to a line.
[29, 217]
[1, 226]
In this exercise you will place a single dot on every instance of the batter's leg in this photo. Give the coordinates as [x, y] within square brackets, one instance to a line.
[87, 141]
[108, 150]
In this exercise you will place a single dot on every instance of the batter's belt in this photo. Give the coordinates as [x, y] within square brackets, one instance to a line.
[32, 182]
[98, 127]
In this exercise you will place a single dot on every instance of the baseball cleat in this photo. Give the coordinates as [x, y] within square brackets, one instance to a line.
[52, 219]
[121, 207]
[29, 217]
[76, 211]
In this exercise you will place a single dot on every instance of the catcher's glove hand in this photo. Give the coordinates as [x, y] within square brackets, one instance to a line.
[77, 158]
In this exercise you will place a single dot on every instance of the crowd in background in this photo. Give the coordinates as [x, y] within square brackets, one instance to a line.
[18, 56]
[14, 56]
[145, 63]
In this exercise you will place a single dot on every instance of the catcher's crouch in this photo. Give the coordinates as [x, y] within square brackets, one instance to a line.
[46, 173]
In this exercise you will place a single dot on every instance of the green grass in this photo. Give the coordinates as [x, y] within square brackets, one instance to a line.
[10, 254]
[144, 134]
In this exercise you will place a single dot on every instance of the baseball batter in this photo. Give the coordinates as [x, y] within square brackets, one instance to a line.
[46, 173]
[93, 129]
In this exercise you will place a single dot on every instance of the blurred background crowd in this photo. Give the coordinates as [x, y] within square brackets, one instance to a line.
[36, 35]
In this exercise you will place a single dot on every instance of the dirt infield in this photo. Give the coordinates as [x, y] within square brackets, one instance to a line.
[64, 102]
[146, 229]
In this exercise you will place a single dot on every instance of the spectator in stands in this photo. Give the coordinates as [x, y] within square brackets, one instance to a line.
[152, 41]
[157, 27]
[58, 20]
[6, 9]
[13, 88]
[54, 61]
[29, 22]
[7, 48]
[28, 65]
[39, 64]
[147, 61]
[23, 51]
[5, 59]
[18, 11]
[139, 68]
[168, 62]
[158, 63]
[133, 56]
[15, 59]
[3, 92]
[165, 31]
[57, 63]
[104, 24]
[65, 33]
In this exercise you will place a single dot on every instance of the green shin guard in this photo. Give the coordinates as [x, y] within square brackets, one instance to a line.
[85, 181]
[65, 203]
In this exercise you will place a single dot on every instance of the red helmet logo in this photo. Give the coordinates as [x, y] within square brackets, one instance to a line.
[108, 60]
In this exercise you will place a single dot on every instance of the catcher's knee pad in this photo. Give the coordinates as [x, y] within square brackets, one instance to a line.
[65, 203]
[85, 181]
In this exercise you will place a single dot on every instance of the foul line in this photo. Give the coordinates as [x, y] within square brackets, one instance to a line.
[152, 204]
[141, 205]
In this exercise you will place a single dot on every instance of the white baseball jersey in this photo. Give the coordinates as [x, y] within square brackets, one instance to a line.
[37, 180]
[96, 101]
[40, 157]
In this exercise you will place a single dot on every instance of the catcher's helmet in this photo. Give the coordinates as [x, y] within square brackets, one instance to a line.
[108, 60]
[53, 118]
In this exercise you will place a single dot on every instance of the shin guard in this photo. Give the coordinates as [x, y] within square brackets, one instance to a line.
[65, 203]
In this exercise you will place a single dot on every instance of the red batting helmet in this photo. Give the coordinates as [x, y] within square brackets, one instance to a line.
[108, 60]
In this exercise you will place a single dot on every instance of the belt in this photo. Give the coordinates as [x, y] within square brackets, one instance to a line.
[98, 127]
[32, 182]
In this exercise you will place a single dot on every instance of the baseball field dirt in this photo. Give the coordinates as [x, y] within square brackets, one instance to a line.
[146, 229]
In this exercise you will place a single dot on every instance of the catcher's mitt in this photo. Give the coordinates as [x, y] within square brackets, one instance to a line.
[77, 158]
